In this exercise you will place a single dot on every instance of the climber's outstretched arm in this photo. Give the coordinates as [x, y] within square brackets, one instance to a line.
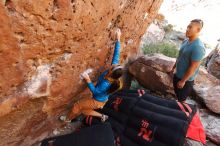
[89, 83]
[103, 87]
[116, 55]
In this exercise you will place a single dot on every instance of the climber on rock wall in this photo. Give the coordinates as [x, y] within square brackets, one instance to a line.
[191, 53]
[108, 82]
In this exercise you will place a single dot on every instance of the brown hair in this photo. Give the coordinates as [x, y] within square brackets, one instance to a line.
[115, 86]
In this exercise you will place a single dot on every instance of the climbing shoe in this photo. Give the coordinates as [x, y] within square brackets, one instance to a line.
[64, 119]
[104, 118]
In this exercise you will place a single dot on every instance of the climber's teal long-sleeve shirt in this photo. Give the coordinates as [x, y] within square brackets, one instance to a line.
[100, 91]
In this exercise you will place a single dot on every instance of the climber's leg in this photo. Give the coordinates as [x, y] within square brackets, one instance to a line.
[84, 104]
[90, 112]
[75, 111]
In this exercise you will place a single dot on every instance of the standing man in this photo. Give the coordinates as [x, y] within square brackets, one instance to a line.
[186, 68]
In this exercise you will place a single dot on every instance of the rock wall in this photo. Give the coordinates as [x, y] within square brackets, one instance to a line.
[46, 44]
[213, 61]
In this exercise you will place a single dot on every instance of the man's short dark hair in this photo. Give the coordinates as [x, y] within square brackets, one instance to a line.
[198, 21]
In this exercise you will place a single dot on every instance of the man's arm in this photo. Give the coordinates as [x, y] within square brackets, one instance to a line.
[190, 71]
[116, 55]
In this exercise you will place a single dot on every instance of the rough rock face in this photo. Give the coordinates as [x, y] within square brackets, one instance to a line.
[160, 31]
[154, 34]
[189, 142]
[152, 73]
[213, 63]
[207, 89]
[46, 44]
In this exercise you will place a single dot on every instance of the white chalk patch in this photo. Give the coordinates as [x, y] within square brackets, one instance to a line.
[66, 56]
[122, 5]
[145, 15]
[56, 132]
[88, 71]
[109, 25]
[42, 76]
[130, 41]
[118, 30]
[142, 69]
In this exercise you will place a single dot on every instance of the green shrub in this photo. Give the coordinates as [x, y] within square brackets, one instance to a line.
[165, 48]
[135, 85]
[168, 28]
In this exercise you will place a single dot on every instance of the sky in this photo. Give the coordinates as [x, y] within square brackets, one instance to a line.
[180, 12]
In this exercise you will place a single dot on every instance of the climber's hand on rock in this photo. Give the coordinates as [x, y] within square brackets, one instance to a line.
[118, 34]
[86, 77]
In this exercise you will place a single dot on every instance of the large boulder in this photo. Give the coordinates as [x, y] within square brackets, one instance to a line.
[46, 44]
[152, 72]
[211, 123]
[213, 62]
[207, 89]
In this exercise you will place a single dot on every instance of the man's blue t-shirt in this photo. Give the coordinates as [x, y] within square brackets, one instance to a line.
[194, 51]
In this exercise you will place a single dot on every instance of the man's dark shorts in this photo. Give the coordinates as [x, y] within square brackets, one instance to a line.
[183, 93]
